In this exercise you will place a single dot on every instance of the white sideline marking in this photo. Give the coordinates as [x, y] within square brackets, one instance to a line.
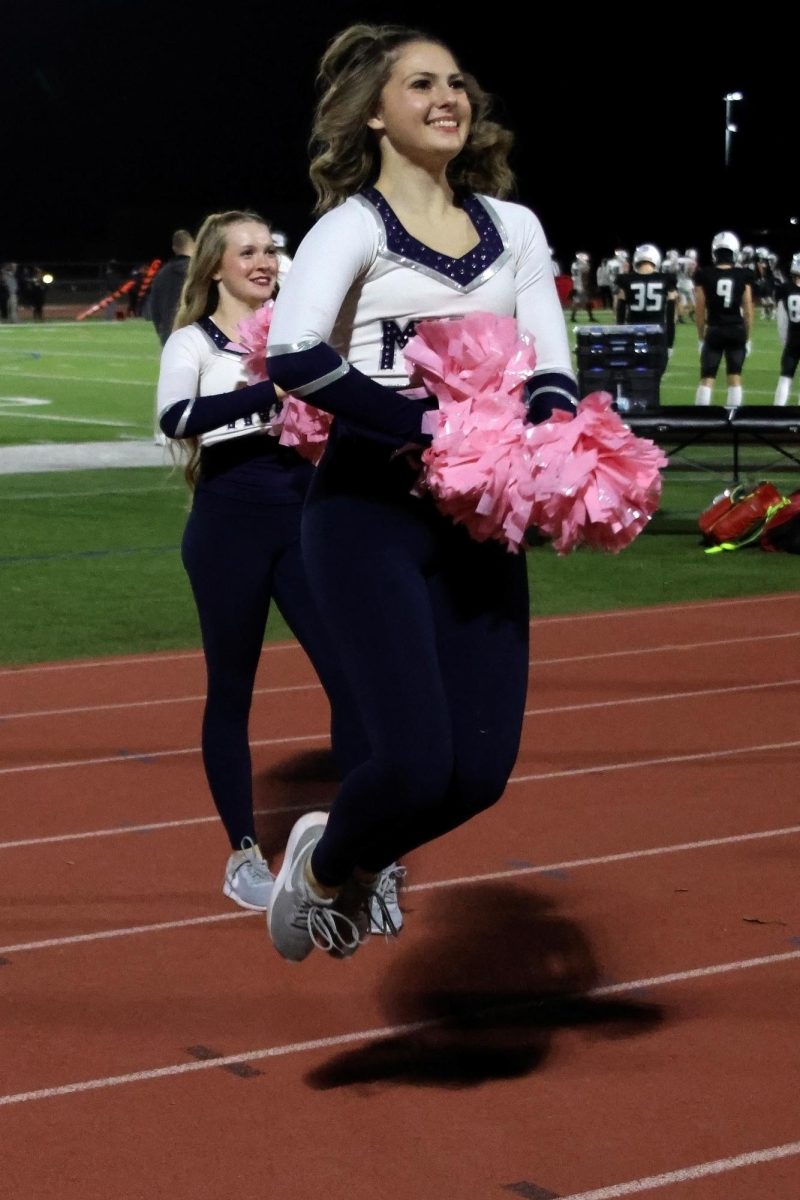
[433, 885]
[164, 488]
[571, 618]
[697, 693]
[45, 377]
[363, 1035]
[717, 1166]
[47, 417]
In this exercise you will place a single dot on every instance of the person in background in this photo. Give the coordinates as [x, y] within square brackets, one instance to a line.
[787, 316]
[10, 297]
[284, 257]
[36, 288]
[410, 172]
[686, 267]
[603, 284]
[646, 296]
[241, 543]
[723, 303]
[164, 296]
[165, 290]
[581, 286]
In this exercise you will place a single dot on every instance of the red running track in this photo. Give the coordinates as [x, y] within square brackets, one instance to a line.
[594, 996]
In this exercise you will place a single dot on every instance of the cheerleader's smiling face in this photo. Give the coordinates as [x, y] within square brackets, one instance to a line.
[248, 269]
[424, 110]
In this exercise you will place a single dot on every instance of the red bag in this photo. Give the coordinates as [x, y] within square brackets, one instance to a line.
[782, 531]
[739, 515]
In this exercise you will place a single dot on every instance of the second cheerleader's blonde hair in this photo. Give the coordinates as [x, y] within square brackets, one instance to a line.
[200, 297]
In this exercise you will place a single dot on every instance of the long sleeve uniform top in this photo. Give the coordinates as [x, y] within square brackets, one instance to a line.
[360, 283]
[203, 392]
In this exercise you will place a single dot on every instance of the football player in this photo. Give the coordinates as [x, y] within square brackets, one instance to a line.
[723, 300]
[581, 285]
[647, 295]
[787, 297]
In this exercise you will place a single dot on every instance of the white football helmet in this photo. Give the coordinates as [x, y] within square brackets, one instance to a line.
[762, 253]
[725, 241]
[647, 252]
[582, 256]
[794, 269]
[691, 254]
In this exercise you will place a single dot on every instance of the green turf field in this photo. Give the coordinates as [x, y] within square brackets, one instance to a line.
[90, 558]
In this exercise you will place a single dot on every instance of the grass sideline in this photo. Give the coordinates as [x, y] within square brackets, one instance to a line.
[91, 559]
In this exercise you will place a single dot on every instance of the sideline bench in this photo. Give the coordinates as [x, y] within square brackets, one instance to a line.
[675, 427]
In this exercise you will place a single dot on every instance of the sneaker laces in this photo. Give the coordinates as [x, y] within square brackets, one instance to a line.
[327, 928]
[384, 895]
[254, 864]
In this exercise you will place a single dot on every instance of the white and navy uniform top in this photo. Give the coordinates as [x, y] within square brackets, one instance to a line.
[203, 392]
[360, 284]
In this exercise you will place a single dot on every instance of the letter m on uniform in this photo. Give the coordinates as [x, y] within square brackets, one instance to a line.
[394, 338]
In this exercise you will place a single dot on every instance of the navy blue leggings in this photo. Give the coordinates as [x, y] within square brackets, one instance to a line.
[433, 631]
[239, 557]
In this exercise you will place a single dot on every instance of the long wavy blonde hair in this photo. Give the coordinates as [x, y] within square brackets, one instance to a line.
[344, 152]
[200, 297]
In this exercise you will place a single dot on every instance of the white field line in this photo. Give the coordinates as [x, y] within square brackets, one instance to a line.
[163, 487]
[114, 356]
[365, 1035]
[536, 622]
[693, 694]
[597, 860]
[27, 415]
[42, 377]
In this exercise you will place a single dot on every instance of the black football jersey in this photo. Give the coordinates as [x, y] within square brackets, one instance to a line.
[788, 294]
[646, 296]
[724, 289]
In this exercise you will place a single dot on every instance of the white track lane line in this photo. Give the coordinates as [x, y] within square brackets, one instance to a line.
[364, 1035]
[147, 756]
[718, 1166]
[306, 687]
[432, 885]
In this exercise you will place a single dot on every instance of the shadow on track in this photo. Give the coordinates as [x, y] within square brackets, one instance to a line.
[484, 995]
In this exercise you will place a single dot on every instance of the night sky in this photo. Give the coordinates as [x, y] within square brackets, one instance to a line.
[128, 118]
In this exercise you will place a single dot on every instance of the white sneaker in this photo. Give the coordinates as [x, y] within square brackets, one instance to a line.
[298, 919]
[385, 914]
[248, 880]
[372, 907]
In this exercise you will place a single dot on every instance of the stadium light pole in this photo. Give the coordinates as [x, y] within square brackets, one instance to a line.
[730, 99]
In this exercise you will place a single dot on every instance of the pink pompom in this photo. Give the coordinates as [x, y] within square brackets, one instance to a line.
[477, 357]
[595, 483]
[477, 368]
[298, 424]
[581, 480]
[303, 427]
[253, 331]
